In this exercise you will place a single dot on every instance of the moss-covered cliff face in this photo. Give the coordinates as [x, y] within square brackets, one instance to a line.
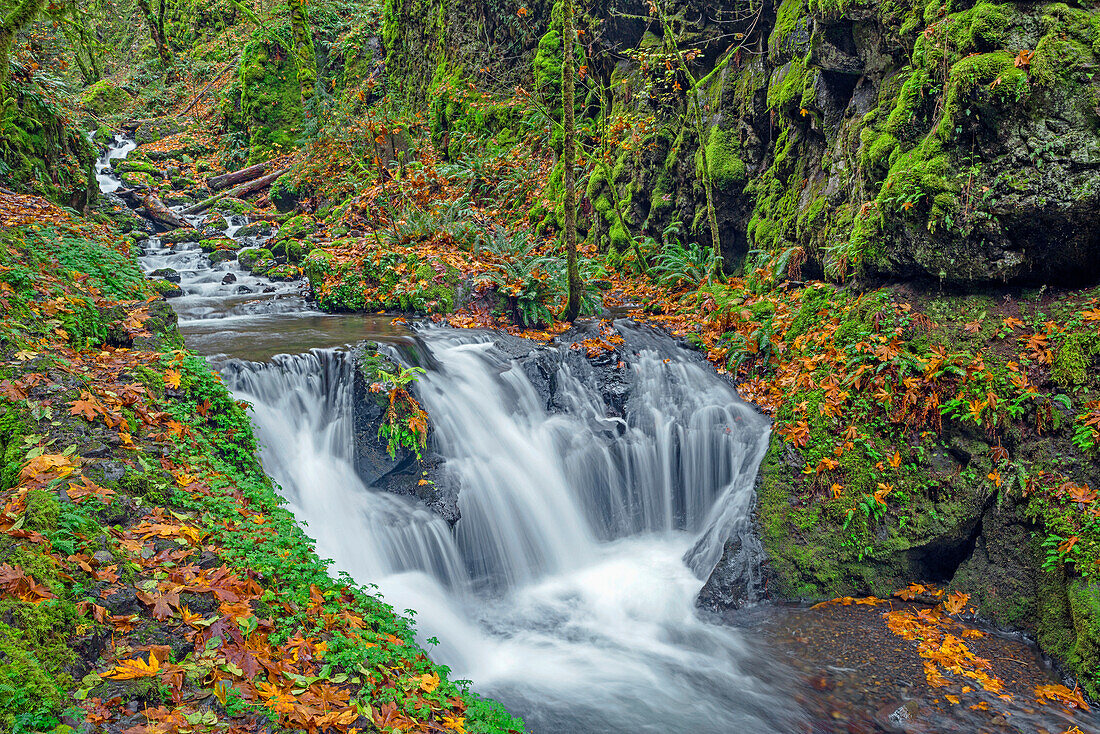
[957, 142]
[41, 149]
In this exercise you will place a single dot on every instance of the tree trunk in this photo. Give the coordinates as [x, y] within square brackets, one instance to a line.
[569, 158]
[156, 30]
[235, 177]
[242, 190]
[305, 59]
[158, 212]
[10, 24]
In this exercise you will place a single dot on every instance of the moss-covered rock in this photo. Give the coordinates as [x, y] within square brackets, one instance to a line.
[41, 151]
[104, 98]
[181, 235]
[250, 257]
[167, 288]
[270, 99]
[282, 272]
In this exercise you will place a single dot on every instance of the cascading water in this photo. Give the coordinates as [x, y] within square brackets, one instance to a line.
[566, 589]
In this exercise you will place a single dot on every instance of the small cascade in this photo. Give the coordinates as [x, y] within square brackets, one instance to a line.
[567, 587]
[302, 404]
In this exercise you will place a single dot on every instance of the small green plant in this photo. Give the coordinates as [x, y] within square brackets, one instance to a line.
[405, 424]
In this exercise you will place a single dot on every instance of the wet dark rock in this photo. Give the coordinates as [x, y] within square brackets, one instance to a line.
[219, 256]
[270, 289]
[123, 601]
[103, 558]
[255, 229]
[737, 579]
[242, 289]
[229, 278]
[168, 274]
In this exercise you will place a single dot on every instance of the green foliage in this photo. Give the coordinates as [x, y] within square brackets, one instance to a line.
[41, 151]
[727, 170]
[677, 265]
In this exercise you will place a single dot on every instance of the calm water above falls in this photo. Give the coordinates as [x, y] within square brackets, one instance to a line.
[567, 588]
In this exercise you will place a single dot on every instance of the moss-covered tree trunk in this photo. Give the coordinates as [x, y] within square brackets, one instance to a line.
[305, 59]
[12, 19]
[700, 132]
[155, 21]
[569, 157]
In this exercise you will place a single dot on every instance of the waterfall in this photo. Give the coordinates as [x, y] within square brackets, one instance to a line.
[566, 590]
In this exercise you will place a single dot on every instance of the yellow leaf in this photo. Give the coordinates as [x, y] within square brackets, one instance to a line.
[136, 668]
[172, 379]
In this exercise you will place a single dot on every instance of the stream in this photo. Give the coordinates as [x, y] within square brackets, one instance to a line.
[567, 588]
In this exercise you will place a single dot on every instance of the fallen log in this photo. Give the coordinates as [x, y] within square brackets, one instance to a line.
[159, 213]
[242, 190]
[235, 177]
[207, 87]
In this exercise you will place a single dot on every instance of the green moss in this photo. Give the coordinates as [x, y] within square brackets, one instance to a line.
[786, 94]
[252, 255]
[104, 98]
[727, 170]
[786, 19]
[43, 510]
[1071, 363]
[31, 698]
[42, 152]
[270, 102]
[13, 426]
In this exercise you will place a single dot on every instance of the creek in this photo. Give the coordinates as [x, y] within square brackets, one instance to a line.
[567, 588]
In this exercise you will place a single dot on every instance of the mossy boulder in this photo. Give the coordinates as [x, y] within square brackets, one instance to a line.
[284, 193]
[296, 228]
[167, 288]
[282, 272]
[150, 131]
[181, 235]
[263, 265]
[270, 109]
[138, 180]
[249, 257]
[292, 250]
[41, 151]
[169, 274]
[212, 244]
[255, 229]
[104, 98]
[138, 165]
[220, 256]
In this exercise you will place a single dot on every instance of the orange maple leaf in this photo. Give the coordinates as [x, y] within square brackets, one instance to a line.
[136, 668]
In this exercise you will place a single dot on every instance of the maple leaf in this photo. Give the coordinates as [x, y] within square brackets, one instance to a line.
[429, 682]
[1061, 694]
[172, 379]
[136, 668]
[895, 460]
[86, 406]
[882, 491]
[87, 488]
[956, 602]
[1023, 58]
[46, 463]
